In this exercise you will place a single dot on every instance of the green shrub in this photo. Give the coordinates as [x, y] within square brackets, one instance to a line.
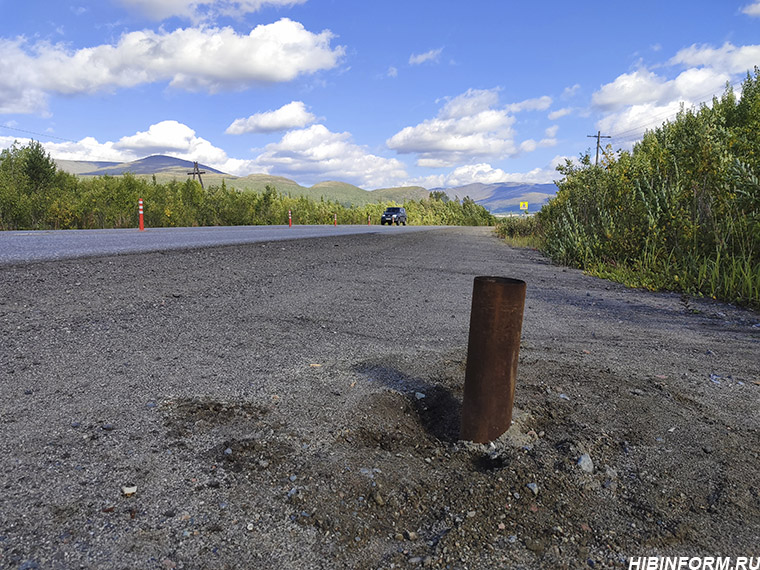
[680, 212]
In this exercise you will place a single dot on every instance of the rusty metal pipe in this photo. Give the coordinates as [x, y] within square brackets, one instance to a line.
[492, 352]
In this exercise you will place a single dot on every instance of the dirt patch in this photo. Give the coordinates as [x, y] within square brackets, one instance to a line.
[572, 480]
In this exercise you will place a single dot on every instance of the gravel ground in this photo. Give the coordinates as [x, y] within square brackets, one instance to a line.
[295, 405]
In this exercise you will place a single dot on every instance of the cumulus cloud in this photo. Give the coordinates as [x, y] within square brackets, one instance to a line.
[174, 139]
[728, 58]
[752, 10]
[630, 123]
[202, 9]
[642, 100]
[87, 149]
[629, 89]
[471, 173]
[420, 58]
[316, 153]
[291, 116]
[538, 104]
[170, 138]
[484, 173]
[559, 113]
[208, 59]
[309, 155]
[468, 127]
[569, 92]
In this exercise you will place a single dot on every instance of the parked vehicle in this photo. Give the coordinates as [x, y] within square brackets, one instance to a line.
[393, 215]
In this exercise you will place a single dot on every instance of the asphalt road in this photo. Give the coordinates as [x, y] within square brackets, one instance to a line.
[23, 246]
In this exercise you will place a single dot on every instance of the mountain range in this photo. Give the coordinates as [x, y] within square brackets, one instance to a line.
[500, 198]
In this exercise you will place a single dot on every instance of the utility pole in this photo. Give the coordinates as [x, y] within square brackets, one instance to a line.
[598, 136]
[198, 172]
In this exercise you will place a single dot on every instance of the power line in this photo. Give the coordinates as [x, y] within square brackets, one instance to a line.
[36, 133]
[49, 136]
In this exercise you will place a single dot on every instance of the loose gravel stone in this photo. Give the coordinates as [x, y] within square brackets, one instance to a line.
[585, 463]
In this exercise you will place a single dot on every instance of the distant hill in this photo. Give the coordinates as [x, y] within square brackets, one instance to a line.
[505, 197]
[81, 166]
[500, 198]
[149, 165]
[400, 194]
[259, 182]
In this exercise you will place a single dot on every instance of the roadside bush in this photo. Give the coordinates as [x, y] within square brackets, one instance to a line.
[680, 212]
[521, 231]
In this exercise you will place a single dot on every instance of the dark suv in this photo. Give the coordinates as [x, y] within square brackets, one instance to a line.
[393, 216]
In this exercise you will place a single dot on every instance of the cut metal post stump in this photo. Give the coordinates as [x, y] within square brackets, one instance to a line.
[492, 352]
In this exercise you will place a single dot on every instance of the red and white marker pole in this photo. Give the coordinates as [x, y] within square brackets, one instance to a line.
[369, 219]
[140, 210]
[335, 220]
[290, 219]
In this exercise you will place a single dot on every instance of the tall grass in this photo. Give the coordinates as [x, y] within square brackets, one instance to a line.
[520, 231]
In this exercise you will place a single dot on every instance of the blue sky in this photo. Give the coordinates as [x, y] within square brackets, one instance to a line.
[435, 93]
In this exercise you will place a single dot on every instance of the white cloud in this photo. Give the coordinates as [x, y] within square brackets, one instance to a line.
[471, 173]
[87, 149]
[170, 138]
[174, 139]
[559, 113]
[316, 153]
[392, 72]
[209, 59]
[728, 58]
[420, 58]
[551, 132]
[484, 173]
[641, 100]
[752, 9]
[538, 104]
[468, 127]
[570, 91]
[630, 123]
[530, 145]
[309, 155]
[291, 116]
[198, 10]
[640, 86]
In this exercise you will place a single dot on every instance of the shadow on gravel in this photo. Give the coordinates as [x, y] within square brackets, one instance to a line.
[438, 408]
